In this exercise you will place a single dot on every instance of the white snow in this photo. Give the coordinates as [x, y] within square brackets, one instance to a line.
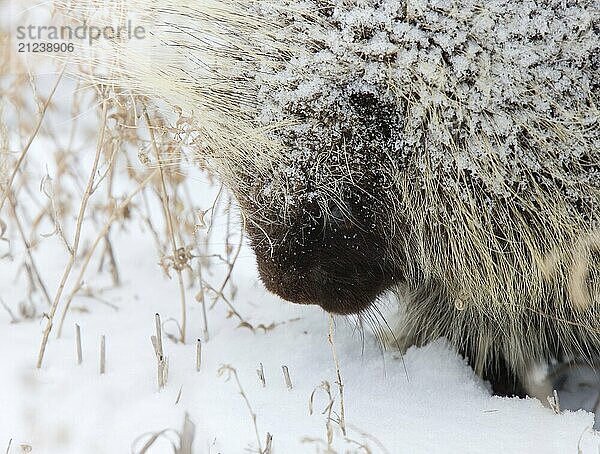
[430, 403]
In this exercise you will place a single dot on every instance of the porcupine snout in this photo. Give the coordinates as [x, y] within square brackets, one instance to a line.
[320, 216]
[338, 264]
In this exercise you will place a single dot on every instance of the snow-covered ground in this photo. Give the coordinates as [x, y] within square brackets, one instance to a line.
[428, 401]
[431, 403]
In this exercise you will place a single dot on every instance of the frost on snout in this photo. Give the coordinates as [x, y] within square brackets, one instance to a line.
[319, 215]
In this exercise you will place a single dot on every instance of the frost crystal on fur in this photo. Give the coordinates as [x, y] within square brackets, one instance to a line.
[498, 91]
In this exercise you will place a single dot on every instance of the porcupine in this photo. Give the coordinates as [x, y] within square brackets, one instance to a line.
[445, 150]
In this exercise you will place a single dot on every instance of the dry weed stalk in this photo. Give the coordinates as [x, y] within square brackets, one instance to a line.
[162, 371]
[554, 402]
[102, 354]
[75, 246]
[340, 383]
[229, 371]
[325, 386]
[185, 437]
[169, 220]
[269, 444]
[52, 210]
[108, 249]
[117, 212]
[361, 448]
[286, 376]
[230, 261]
[28, 249]
[154, 436]
[261, 375]
[78, 344]
[198, 354]
[178, 398]
[162, 362]
[32, 137]
[200, 297]
[368, 437]
[232, 310]
[13, 319]
[158, 328]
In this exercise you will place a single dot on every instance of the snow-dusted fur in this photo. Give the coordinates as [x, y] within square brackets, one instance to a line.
[479, 119]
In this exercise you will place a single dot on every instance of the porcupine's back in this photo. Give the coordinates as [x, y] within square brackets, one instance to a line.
[463, 135]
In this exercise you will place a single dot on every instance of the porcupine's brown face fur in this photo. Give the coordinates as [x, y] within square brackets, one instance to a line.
[325, 245]
[339, 265]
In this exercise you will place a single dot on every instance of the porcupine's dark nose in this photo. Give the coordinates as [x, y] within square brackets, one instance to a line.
[340, 268]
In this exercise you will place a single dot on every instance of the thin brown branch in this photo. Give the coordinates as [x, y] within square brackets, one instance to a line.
[27, 146]
[28, 248]
[231, 264]
[340, 383]
[75, 246]
[169, 219]
[101, 235]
